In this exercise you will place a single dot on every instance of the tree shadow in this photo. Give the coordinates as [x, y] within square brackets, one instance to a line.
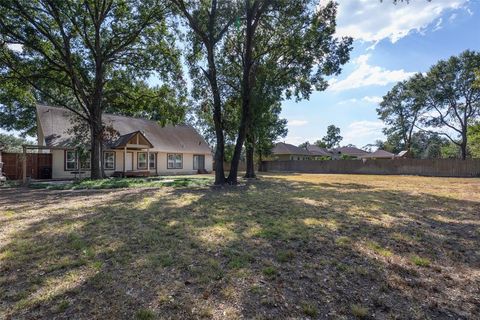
[270, 249]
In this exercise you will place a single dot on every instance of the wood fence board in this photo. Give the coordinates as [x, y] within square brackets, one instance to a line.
[422, 167]
[12, 164]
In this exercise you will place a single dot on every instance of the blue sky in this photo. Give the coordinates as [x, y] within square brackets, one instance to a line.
[391, 43]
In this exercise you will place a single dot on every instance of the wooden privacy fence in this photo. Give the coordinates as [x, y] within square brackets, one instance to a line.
[242, 166]
[422, 167]
[39, 165]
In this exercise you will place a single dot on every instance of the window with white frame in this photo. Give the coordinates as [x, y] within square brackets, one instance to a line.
[153, 160]
[142, 160]
[175, 161]
[70, 160]
[109, 160]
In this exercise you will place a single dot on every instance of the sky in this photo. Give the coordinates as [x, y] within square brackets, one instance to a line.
[391, 43]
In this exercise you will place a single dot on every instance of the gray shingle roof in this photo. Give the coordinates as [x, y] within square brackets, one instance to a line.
[350, 151]
[122, 141]
[317, 151]
[56, 123]
[379, 154]
[286, 148]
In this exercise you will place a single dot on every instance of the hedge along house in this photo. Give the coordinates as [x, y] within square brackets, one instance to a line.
[137, 147]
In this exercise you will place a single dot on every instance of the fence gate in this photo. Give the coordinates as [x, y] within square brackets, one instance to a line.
[39, 165]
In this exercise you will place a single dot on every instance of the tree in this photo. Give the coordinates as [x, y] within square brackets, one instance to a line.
[163, 103]
[378, 144]
[295, 40]
[11, 143]
[401, 109]
[474, 140]
[333, 137]
[207, 23]
[451, 99]
[476, 83]
[17, 106]
[427, 145]
[320, 143]
[304, 145]
[424, 145]
[268, 128]
[72, 50]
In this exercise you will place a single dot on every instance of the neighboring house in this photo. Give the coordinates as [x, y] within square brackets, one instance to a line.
[137, 147]
[403, 154]
[285, 151]
[318, 152]
[348, 152]
[379, 154]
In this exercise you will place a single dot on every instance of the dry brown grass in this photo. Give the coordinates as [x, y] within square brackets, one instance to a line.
[285, 246]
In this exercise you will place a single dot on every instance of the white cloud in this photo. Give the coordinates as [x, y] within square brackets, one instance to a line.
[363, 132]
[349, 101]
[365, 74]
[297, 123]
[374, 20]
[438, 25]
[15, 47]
[296, 140]
[368, 99]
[372, 99]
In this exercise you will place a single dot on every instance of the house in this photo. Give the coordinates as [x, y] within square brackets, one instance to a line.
[136, 147]
[348, 152]
[286, 151]
[379, 154]
[403, 154]
[318, 152]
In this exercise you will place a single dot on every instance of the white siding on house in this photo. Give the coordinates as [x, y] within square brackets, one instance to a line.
[59, 172]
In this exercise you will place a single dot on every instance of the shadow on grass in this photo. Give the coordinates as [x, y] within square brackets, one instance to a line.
[116, 183]
[270, 249]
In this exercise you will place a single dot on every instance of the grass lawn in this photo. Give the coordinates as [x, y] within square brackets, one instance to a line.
[284, 246]
[114, 183]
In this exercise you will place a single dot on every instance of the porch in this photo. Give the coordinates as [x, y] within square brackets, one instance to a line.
[134, 143]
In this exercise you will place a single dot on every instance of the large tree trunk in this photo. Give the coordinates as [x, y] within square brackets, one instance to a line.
[408, 147]
[247, 80]
[219, 156]
[242, 131]
[250, 151]
[96, 130]
[96, 149]
[463, 145]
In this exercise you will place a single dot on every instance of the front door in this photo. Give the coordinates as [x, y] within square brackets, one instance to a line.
[198, 162]
[129, 161]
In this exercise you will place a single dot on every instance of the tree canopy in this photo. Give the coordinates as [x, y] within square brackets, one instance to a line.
[72, 52]
[443, 102]
[401, 109]
[474, 139]
[451, 99]
[11, 143]
[274, 50]
[332, 138]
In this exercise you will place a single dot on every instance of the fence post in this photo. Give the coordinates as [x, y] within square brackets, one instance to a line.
[24, 165]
